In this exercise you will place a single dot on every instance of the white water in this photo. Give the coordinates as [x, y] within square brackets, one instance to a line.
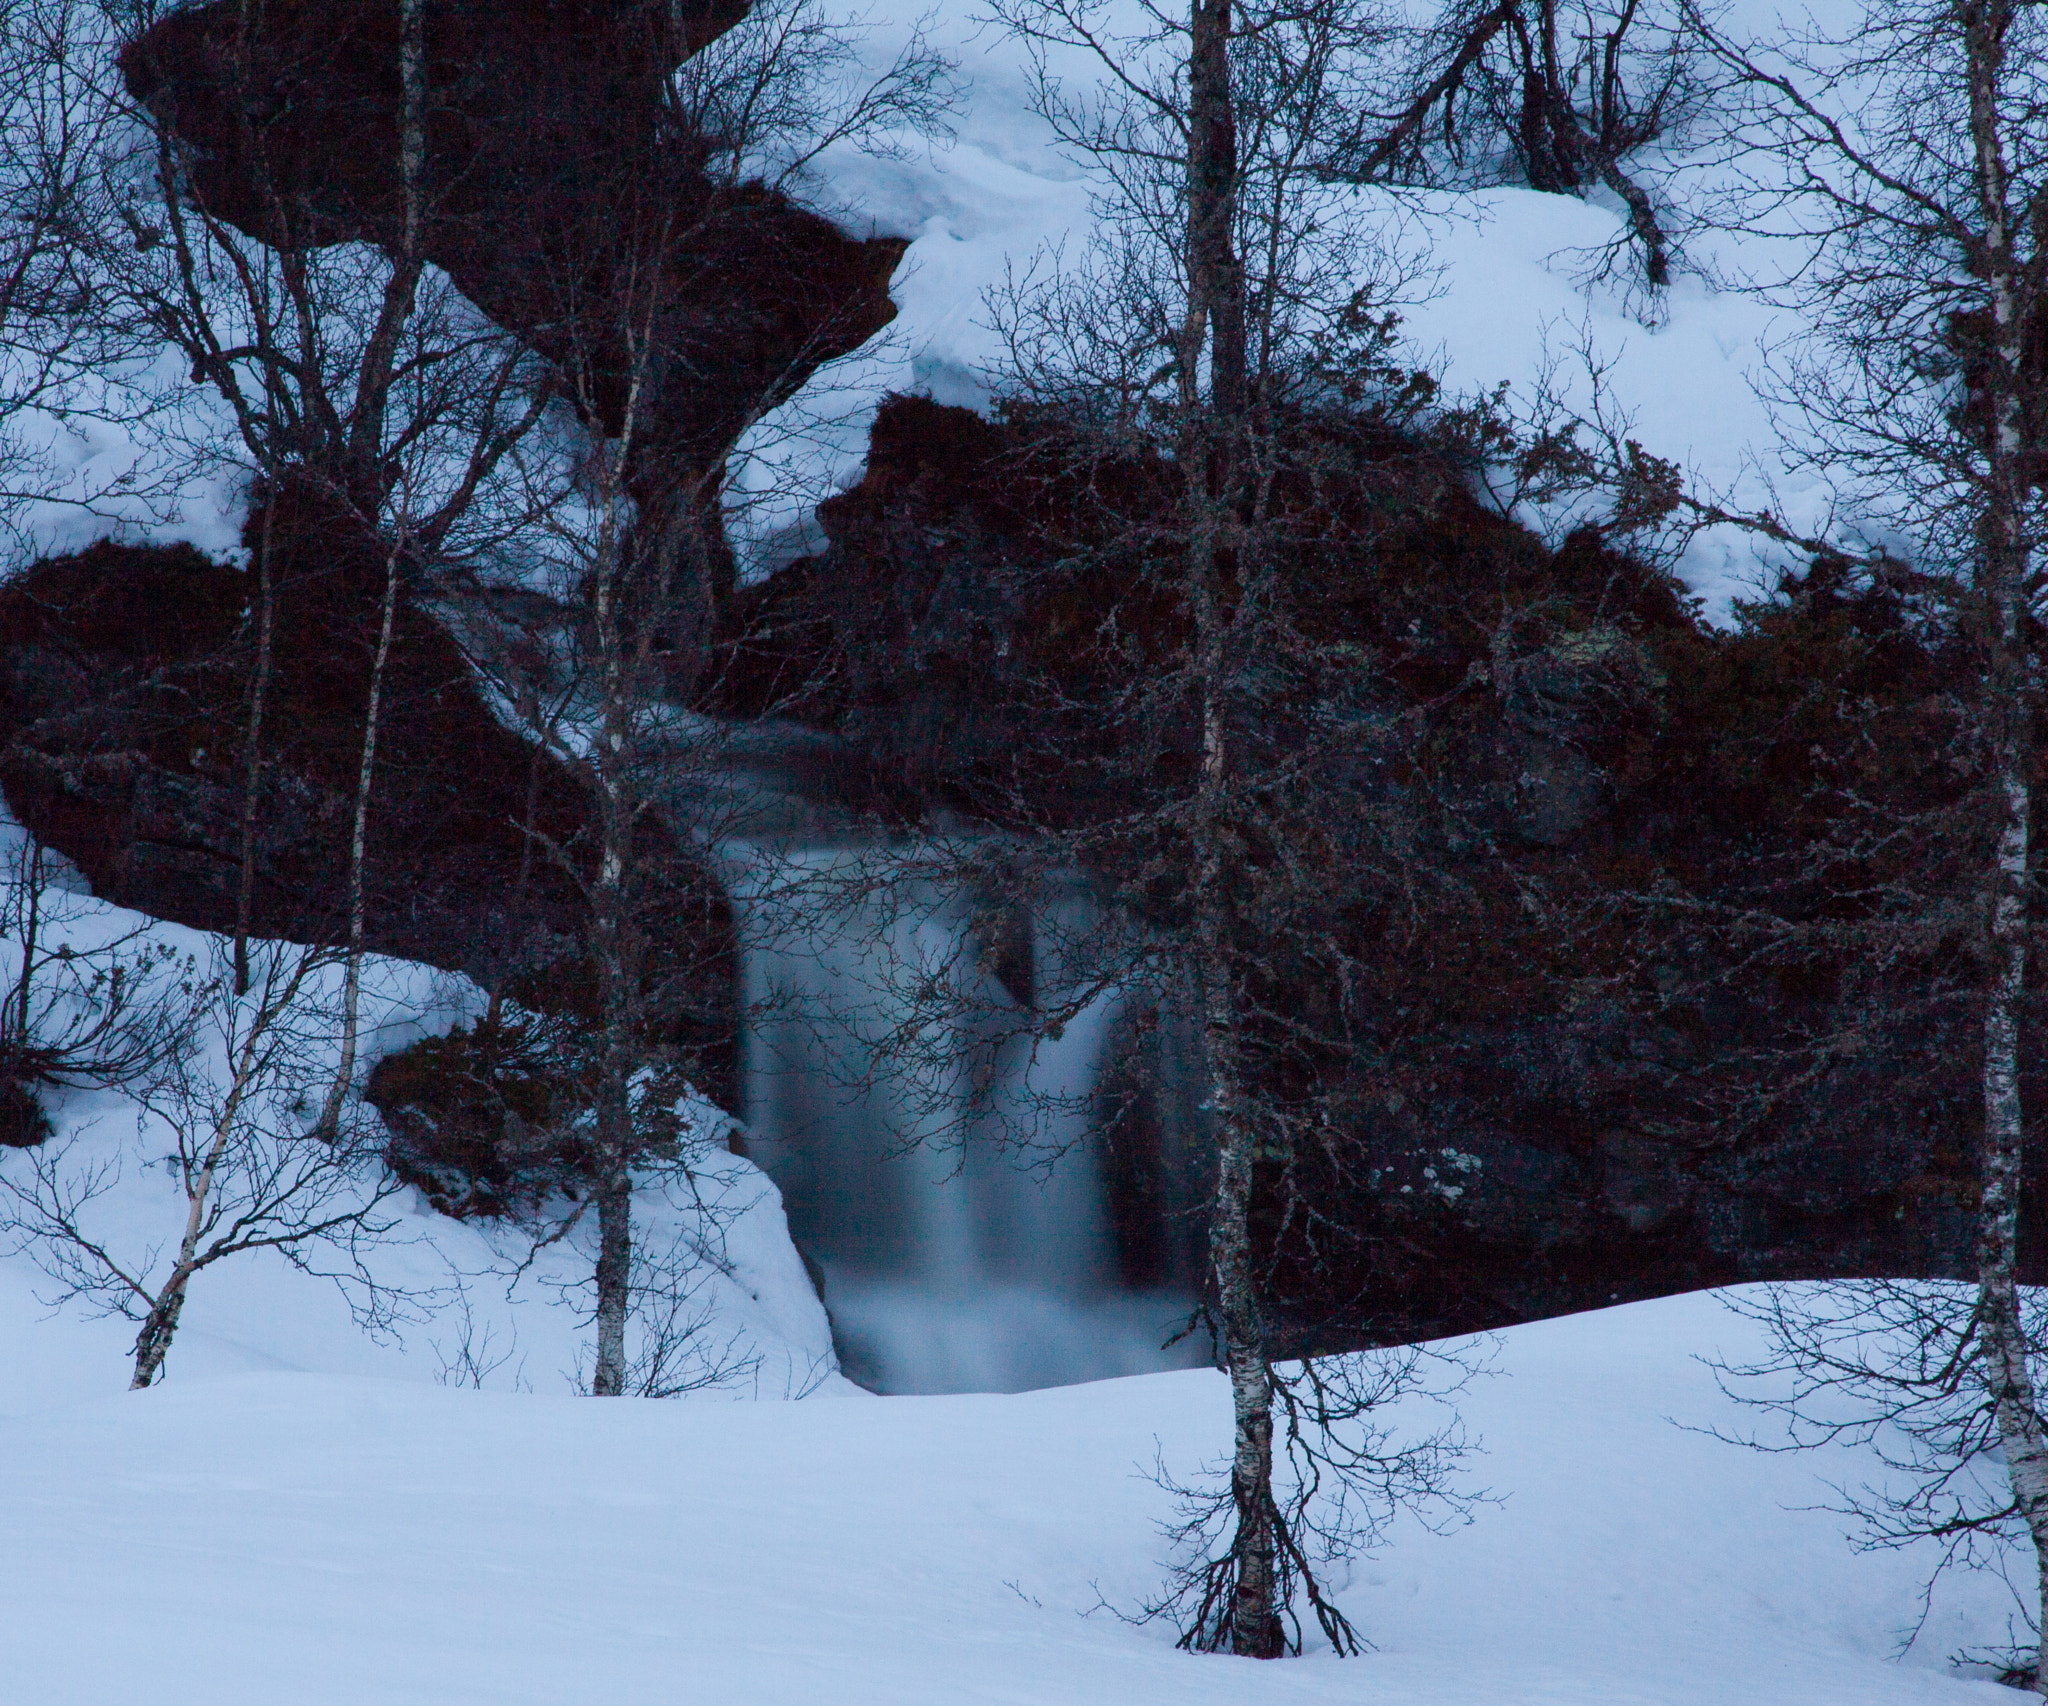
[936, 1138]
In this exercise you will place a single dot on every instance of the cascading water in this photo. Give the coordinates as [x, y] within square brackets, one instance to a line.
[940, 1152]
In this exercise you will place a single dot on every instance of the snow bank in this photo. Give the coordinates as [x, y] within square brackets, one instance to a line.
[754, 1312]
[1510, 290]
[324, 1538]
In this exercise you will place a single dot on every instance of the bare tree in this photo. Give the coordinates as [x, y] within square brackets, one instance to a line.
[1565, 100]
[70, 349]
[1198, 390]
[226, 1113]
[75, 1016]
[1894, 1368]
[1903, 169]
[356, 384]
[631, 549]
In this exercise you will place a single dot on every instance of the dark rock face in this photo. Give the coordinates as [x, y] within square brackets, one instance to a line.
[123, 699]
[494, 1120]
[1633, 1122]
[23, 1124]
[953, 630]
[556, 170]
[902, 636]
[481, 1121]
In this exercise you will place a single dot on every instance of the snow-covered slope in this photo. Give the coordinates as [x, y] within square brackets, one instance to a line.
[1509, 287]
[465, 1298]
[272, 1537]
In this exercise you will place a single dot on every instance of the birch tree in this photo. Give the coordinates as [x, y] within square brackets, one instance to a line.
[353, 380]
[629, 546]
[1565, 100]
[1195, 376]
[69, 348]
[97, 1016]
[225, 1115]
[1902, 170]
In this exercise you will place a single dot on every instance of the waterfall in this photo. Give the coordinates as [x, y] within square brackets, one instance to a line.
[940, 1148]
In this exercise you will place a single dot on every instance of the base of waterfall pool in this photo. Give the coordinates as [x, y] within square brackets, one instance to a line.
[902, 1336]
[979, 1225]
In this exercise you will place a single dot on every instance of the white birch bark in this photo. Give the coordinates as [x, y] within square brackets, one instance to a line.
[612, 946]
[1214, 454]
[373, 390]
[160, 1325]
[2004, 551]
[252, 758]
[366, 767]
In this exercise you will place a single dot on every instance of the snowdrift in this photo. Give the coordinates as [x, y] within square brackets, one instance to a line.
[334, 1537]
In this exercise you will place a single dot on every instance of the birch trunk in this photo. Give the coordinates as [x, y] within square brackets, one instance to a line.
[367, 477]
[1214, 452]
[252, 756]
[352, 980]
[153, 1342]
[31, 918]
[1255, 1629]
[2003, 558]
[613, 1183]
[616, 965]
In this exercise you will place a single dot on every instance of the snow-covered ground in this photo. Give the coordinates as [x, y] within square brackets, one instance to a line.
[302, 1513]
[262, 1537]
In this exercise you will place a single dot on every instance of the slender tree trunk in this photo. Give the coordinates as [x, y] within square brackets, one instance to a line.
[31, 919]
[352, 979]
[2004, 551]
[1215, 274]
[1215, 456]
[1255, 1628]
[252, 746]
[613, 1184]
[2002, 1332]
[614, 1181]
[367, 477]
[614, 1245]
[515, 923]
[369, 484]
[153, 1342]
[612, 943]
[1642, 220]
[17, 1017]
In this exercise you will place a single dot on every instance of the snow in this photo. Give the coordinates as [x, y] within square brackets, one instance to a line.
[1511, 290]
[761, 1319]
[303, 1512]
[100, 475]
[233, 1537]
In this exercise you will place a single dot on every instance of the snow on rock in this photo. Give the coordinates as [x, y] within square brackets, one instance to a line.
[334, 1538]
[99, 471]
[1509, 288]
[1508, 285]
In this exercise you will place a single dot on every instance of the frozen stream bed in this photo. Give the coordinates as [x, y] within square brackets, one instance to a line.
[237, 1538]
